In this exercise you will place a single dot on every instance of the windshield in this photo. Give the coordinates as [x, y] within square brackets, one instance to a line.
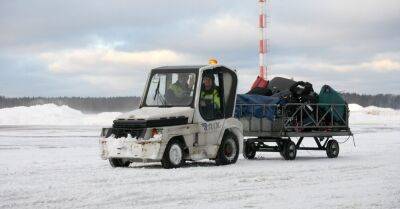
[170, 89]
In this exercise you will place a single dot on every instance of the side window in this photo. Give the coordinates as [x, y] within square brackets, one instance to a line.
[229, 83]
[211, 96]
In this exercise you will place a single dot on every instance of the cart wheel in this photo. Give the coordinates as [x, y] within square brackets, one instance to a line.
[289, 150]
[249, 150]
[281, 146]
[332, 149]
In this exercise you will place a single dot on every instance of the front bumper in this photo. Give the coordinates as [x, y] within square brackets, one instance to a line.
[130, 148]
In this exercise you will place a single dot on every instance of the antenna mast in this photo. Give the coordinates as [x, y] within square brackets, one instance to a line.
[262, 44]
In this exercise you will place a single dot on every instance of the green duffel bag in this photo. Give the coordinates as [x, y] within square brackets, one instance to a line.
[329, 96]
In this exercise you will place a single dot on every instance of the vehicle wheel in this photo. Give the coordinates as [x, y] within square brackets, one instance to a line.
[332, 148]
[249, 151]
[281, 153]
[281, 145]
[173, 155]
[289, 150]
[118, 162]
[228, 152]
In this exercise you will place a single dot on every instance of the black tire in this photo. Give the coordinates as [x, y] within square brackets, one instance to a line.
[332, 149]
[228, 151]
[250, 150]
[289, 150]
[118, 162]
[173, 155]
[281, 146]
[282, 155]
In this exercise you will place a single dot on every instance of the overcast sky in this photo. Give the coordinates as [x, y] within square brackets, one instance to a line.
[106, 48]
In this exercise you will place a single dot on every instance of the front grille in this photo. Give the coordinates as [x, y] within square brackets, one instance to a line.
[125, 128]
[125, 132]
[139, 124]
[129, 124]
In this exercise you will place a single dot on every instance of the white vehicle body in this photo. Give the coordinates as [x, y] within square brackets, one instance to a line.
[201, 139]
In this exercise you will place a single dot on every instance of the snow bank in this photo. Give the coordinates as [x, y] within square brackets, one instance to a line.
[373, 115]
[51, 114]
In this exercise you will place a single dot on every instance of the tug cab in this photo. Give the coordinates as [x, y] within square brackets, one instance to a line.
[186, 114]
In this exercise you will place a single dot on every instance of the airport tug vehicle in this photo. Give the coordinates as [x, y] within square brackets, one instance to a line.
[179, 119]
[190, 113]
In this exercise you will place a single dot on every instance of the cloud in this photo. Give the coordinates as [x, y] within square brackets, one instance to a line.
[105, 60]
[380, 65]
[228, 32]
[129, 85]
[105, 46]
[105, 67]
[53, 21]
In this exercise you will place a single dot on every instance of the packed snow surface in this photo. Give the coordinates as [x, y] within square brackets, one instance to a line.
[60, 167]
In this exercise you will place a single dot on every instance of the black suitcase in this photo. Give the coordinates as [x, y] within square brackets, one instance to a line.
[279, 84]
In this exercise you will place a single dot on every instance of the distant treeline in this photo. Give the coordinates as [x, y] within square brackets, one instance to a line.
[84, 104]
[379, 100]
[124, 104]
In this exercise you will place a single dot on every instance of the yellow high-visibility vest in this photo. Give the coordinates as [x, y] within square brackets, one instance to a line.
[177, 90]
[213, 97]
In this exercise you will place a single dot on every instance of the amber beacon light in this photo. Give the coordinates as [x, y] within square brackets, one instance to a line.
[212, 61]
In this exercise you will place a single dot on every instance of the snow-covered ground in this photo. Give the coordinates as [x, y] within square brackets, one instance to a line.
[60, 167]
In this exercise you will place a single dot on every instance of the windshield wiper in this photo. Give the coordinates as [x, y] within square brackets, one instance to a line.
[158, 94]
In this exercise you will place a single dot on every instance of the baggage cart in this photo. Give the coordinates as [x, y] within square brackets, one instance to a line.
[320, 122]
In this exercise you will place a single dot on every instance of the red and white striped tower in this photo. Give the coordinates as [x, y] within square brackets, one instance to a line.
[262, 44]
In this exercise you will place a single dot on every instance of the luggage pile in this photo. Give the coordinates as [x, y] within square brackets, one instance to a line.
[327, 107]
[288, 90]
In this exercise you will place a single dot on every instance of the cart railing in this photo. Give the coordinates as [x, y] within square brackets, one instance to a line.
[297, 117]
[316, 116]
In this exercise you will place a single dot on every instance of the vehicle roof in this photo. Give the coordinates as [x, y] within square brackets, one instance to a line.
[184, 68]
[180, 67]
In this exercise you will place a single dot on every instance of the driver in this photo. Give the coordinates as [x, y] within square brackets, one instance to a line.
[180, 89]
[210, 100]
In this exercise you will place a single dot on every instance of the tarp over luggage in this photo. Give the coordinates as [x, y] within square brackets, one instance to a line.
[256, 106]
